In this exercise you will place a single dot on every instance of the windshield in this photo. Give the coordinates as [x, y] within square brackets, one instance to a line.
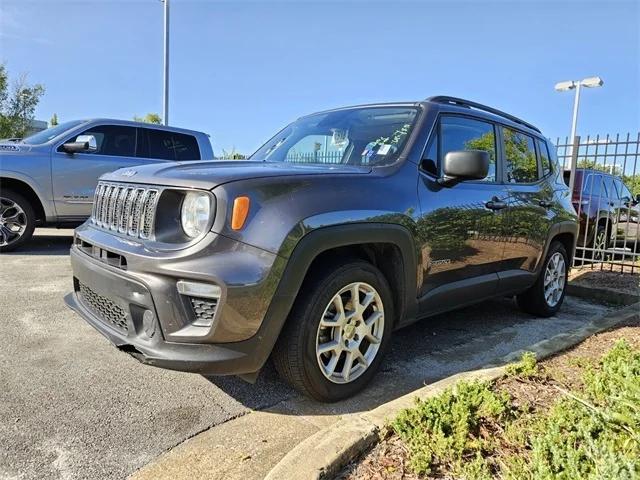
[358, 136]
[51, 133]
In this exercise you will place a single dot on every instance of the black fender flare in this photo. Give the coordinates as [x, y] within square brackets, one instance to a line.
[566, 226]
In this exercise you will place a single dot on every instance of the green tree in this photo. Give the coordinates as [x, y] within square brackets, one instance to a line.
[149, 118]
[18, 102]
[54, 120]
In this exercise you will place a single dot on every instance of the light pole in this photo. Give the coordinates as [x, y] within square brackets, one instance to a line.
[165, 101]
[589, 82]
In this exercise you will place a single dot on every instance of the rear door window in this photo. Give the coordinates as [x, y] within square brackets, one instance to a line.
[521, 165]
[185, 146]
[609, 189]
[165, 145]
[593, 185]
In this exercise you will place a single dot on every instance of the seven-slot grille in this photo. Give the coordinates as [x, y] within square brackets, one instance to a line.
[124, 208]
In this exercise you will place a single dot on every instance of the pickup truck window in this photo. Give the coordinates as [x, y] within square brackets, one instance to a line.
[164, 145]
[114, 140]
[356, 136]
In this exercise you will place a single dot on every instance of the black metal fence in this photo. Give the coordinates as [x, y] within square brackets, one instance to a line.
[604, 174]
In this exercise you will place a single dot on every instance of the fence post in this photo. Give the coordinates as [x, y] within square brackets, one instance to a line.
[574, 162]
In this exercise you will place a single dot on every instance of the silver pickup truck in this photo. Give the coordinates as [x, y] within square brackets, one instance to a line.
[48, 179]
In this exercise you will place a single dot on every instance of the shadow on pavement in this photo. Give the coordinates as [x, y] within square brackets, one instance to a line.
[422, 353]
[46, 244]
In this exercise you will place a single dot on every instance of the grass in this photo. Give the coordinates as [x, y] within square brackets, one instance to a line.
[476, 430]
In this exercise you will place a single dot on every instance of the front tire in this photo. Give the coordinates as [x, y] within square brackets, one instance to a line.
[337, 332]
[17, 220]
[545, 297]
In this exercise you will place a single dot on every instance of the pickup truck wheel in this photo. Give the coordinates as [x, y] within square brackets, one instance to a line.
[545, 297]
[17, 220]
[337, 333]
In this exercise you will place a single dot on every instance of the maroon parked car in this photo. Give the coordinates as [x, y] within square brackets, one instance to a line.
[608, 212]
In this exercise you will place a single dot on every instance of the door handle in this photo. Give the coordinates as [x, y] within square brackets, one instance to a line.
[545, 204]
[495, 204]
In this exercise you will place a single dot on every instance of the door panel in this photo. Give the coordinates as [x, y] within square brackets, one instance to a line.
[462, 242]
[75, 176]
[529, 221]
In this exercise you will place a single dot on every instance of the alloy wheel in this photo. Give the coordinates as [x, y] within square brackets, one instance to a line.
[600, 245]
[554, 279]
[350, 333]
[13, 221]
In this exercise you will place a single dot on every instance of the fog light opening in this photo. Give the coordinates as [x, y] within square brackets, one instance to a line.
[203, 298]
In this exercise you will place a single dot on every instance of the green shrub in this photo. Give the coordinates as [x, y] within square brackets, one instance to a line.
[527, 367]
[447, 429]
[473, 432]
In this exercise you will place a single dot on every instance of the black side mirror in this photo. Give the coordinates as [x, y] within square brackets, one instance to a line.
[465, 165]
[636, 200]
[83, 144]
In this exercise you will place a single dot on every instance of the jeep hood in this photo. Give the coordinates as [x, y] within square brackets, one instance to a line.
[211, 173]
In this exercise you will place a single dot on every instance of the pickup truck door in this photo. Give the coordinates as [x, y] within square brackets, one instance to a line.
[74, 176]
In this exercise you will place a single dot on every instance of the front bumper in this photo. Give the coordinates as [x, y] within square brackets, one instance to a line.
[196, 358]
[140, 311]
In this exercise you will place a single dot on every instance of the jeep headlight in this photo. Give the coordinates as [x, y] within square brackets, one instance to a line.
[196, 209]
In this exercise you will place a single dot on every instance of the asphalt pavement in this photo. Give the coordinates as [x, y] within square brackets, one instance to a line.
[72, 406]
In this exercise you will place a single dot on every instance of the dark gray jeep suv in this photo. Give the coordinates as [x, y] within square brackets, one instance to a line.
[344, 226]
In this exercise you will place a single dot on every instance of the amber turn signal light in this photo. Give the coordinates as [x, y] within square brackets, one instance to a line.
[240, 212]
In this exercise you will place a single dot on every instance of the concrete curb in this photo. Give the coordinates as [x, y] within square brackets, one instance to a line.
[323, 454]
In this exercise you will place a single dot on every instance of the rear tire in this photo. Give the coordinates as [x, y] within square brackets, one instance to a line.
[545, 297]
[17, 220]
[318, 342]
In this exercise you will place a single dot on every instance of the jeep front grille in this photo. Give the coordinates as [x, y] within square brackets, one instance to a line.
[103, 308]
[126, 209]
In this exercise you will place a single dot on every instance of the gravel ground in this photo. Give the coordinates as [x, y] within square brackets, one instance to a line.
[615, 277]
[72, 406]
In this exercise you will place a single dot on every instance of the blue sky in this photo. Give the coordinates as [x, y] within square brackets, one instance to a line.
[240, 70]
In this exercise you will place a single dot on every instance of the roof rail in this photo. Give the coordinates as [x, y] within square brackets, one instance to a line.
[478, 106]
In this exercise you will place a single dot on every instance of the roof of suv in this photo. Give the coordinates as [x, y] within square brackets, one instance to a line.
[456, 105]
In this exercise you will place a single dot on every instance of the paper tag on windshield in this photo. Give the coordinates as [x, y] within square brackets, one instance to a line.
[384, 149]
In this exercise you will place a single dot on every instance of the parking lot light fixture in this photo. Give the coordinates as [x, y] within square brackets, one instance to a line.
[165, 98]
[589, 82]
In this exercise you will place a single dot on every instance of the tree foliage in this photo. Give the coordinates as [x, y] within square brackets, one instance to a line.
[149, 118]
[54, 120]
[18, 102]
